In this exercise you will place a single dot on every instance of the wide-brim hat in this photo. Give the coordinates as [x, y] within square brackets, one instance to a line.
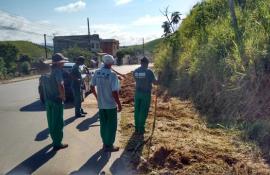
[59, 58]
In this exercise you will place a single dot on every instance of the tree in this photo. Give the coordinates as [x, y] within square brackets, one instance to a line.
[74, 52]
[3, 70]
[9, 54]
[236, 30]
[166, 28]
[25, 67]
[171, 24]
[120, 55]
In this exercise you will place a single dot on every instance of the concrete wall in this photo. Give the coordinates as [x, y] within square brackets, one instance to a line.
[64, 42]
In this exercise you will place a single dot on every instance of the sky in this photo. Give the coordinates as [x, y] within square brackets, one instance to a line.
[126, 20]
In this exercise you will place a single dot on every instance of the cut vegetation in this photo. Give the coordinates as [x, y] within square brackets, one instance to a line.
[182, 142]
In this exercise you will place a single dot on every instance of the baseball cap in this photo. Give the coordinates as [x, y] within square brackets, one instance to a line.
[80, 58]
[144, 60]
[59, 58]
[108, 59]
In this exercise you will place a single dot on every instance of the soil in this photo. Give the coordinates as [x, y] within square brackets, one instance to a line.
[182, 142]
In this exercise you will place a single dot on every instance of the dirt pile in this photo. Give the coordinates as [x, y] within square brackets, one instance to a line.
[183, 144]
[127, 89]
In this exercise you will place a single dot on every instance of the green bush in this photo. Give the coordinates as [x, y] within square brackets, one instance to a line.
[3, 70]
[25, 68]
[74, 52]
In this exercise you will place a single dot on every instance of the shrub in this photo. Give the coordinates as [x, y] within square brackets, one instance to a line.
[25, 68]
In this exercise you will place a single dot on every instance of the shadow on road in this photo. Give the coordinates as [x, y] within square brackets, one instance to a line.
[37, 106]
[95, 164]
[121, 165]
[34, 162]
[87, 123]
[43, 135]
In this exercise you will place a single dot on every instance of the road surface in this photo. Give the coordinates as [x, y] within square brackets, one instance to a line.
[25, 142]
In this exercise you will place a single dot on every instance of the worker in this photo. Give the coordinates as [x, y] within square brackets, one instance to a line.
[54, 91]
[144, 79]
[107, 96]
[76, 86]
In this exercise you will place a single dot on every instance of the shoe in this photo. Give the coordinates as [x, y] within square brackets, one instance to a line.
[111, 149]
[62, 146]
[80, 115]
[83, 112]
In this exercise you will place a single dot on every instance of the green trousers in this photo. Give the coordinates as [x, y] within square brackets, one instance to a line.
[142, 105]
[108, 125]
[55, 121]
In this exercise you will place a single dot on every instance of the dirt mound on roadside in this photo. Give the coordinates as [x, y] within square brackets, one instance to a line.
[127, 89]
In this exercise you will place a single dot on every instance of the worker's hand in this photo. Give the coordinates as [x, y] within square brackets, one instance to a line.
[119, 108]
[63, 97]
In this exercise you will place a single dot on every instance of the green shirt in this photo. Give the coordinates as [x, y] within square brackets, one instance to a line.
[50, 85]
[144, 79]
[77, 75]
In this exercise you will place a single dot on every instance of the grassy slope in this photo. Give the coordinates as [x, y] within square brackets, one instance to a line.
[207, 66]
[149, 46]
[28, 48]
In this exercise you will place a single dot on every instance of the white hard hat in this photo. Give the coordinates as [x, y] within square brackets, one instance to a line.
[108, 59]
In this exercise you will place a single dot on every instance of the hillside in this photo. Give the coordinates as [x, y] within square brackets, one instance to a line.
[220, 59]
[33, 50]
[149, 46]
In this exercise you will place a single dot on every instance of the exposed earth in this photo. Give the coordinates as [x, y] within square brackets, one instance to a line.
[182, 142]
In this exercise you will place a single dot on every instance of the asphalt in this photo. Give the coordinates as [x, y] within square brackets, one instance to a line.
[25, 143]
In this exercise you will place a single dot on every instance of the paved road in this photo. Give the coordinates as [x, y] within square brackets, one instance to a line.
[25, 142]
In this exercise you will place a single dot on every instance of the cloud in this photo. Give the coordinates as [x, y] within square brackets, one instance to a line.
[14, 27]
[72, 7]
[149, 20]
[122, 2]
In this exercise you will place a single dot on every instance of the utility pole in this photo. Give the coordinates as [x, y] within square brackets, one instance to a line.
[143, 47]
[89, 35]
[45, 46]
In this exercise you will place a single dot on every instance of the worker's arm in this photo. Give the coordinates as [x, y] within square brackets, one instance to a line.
[93, 89]
[93, 84]
[58, 75]
[115, 91]
[116, 98]
[61, 89]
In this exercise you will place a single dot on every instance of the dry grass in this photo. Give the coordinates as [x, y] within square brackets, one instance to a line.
[182, 143]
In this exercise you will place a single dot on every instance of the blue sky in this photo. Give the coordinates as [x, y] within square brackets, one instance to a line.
[126, 20]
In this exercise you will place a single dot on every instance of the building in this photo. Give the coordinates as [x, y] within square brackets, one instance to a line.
[61, 43]
[109, 46]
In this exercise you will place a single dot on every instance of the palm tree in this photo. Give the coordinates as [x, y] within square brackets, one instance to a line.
[167, 28]
[176, 17]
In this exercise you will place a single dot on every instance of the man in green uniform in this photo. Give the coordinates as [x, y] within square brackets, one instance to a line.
[54, 92]
[144, 79]
[108, 100]
[76, 84]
